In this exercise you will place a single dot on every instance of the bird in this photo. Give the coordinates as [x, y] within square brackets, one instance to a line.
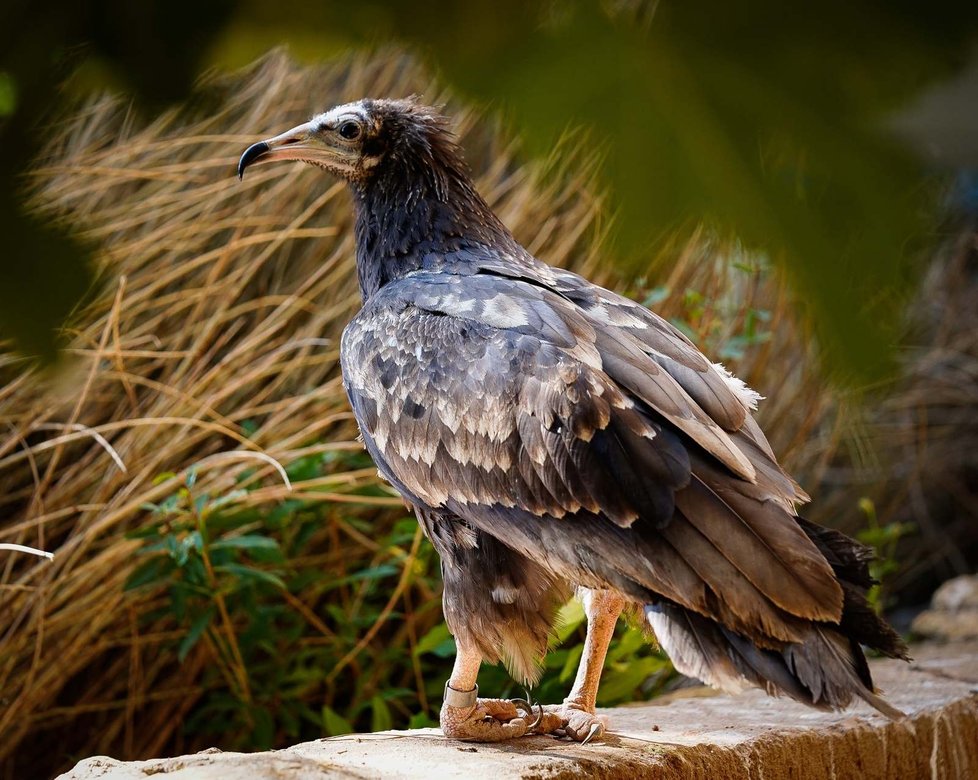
[556, 438]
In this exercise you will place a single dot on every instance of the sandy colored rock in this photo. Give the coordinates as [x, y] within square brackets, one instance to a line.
[947, 626]
[953, 613]
[697, 737]
[957, 594]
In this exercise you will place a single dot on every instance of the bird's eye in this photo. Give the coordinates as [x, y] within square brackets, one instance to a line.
[349, 130]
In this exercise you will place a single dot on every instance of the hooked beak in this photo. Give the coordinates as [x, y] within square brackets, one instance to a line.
[299, 143]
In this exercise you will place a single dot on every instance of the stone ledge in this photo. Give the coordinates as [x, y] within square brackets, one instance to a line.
[700, 736]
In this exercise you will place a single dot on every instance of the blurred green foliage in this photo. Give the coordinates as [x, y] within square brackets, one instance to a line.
[764, 120]
[232, 577]
[883, 538]
[723, 328]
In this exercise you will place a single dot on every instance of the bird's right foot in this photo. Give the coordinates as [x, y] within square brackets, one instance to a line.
[488, 720]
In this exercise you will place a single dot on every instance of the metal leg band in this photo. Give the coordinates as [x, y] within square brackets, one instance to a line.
[460, 699]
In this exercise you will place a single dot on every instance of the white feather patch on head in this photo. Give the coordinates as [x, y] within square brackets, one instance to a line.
[746, 395]
[333, 117]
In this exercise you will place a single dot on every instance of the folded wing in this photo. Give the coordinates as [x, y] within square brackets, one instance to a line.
[589, 437]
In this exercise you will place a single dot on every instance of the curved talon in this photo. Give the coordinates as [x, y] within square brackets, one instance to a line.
[595, 730]
[527, 707]
[522, 705]
[539, 719]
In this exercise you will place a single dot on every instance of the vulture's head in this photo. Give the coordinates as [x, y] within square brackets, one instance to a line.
[362, 140]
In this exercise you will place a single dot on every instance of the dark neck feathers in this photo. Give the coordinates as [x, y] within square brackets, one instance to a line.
[418, 205]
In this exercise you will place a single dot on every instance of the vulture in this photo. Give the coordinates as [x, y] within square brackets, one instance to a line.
[555, 437]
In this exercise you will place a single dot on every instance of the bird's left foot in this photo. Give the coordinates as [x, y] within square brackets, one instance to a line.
[570, 720]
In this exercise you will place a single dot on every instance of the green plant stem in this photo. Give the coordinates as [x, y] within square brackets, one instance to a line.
[239, 669]
[385, 612]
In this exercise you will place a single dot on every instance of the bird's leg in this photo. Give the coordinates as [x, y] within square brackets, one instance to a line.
[602, 607]
[467, 717]
[576, 715]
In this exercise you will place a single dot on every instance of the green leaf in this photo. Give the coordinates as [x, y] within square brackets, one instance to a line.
[435, 640]
[228, 498]
[246, 542]
[248, 573]
[196, 631]
[570, 665]
[375, 572]
[421, 721]
[620, 683]
[194, 572]
[179, 551]
[627, 644]
[391, 694]
[195, 540]
[655, 295]
[143, 532]
[160, 545]
[304, 468]
[169, 505]
[335, 724]
[263, 733]
[571, 616]
[380, 719]
[155, 571]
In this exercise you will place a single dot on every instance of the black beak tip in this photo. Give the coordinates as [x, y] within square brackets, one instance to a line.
[251, 154]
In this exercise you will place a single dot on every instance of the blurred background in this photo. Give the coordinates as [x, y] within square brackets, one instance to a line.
[797, 190]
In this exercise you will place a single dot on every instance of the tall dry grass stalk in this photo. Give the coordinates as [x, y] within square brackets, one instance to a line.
[211, 342]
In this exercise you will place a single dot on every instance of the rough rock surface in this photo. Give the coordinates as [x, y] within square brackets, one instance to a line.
[953, 613]
[698, 736]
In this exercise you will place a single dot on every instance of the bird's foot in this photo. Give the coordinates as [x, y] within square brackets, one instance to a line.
[570, 720]
[466, 717]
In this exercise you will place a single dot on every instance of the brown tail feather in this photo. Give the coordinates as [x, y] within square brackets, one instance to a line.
[850, 562]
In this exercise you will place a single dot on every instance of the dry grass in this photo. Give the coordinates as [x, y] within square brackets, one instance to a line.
[212, 342]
